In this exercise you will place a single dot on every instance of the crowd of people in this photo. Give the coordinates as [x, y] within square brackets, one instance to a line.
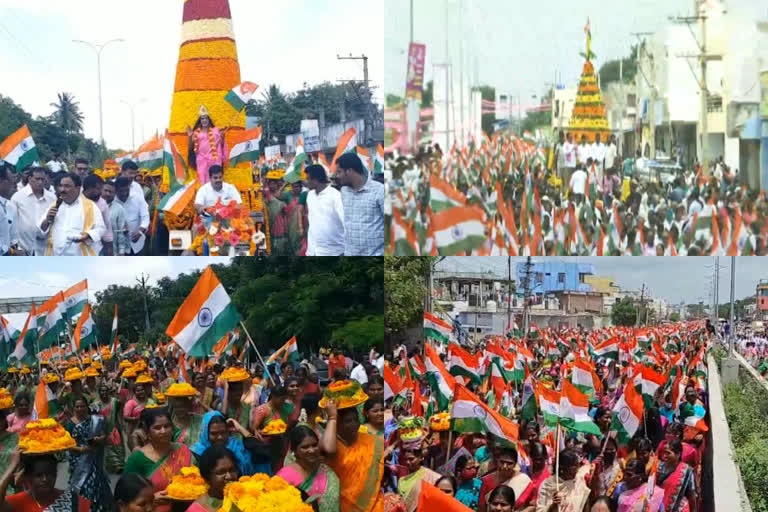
[137, 417]
[517, 195]
[55, 210]
[753, 345]
[516, 449]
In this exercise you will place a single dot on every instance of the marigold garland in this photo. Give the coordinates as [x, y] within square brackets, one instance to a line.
[50, 378]
[180, 389]
[234, 374]
[6, 400]
[346, 393]
[73, 374]
[224, 48]
[275, 427]
[206, 74]
[188, 485]
[259, 493]
[44, 436]
[144, 378]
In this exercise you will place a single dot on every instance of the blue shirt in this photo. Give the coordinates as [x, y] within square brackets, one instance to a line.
[364, 219]
[468, 492]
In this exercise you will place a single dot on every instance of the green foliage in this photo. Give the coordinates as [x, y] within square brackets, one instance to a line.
[624, 313]
[322, 301]
[50, 137]
[488, 93]
[746, 407]
[534, 120]
[67, 115]
[674, 317]
[281, 113]
[609, 71]
[393, 100]
[405, 280]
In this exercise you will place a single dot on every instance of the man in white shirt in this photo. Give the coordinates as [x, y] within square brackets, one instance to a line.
[326, 215]
[569, 148]
[31, 203]
[57, 165]
[136, 214]
[130, 170]
[74, 227]
[597, 152]
[611, 152]
[216, 190]
[583, 151]
[578, 184]
[8, 233]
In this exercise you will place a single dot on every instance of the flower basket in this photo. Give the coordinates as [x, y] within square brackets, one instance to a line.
[180, 389]
[260, 493]
[44, 436]
[235, 374]
[275, 428]
[188, 485]
[227, 229]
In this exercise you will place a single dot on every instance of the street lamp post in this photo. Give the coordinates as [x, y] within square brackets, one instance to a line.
[132, 106]
[98, 48]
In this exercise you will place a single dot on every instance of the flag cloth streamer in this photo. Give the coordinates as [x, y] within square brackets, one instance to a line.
[19, 149]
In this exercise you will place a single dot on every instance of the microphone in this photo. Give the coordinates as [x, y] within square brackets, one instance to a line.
[59, 200]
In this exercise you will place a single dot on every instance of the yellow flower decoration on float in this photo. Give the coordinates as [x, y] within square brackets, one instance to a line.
[259, 493]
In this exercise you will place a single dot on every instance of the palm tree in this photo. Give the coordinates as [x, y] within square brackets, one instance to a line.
[67, 115]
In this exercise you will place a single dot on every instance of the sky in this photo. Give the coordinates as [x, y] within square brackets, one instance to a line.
[670, 278]
[286, 43]
[522, 45]
[27, 277]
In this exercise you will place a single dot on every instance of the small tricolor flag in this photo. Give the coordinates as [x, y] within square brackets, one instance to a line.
[19, 149]
[296, 166]
[347, 143]
[628, 413]
[177, 168]
[378, 160]
[178, 197]
[204, 317]
[45, 402]
[245, 147]
[288, 352]
[241, 95]
[75, 298]
[85, 331]
[470, 414]
[574, 410]
[150, 154]
[115, 342]
[436, 329]
[441, 381]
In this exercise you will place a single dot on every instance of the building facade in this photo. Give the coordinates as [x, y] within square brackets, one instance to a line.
[556, 276]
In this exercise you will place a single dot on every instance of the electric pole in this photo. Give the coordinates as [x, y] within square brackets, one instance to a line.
[651, 87]
[731, 328]
[368, 137]
[638, 311]
[527, 296]
[509, 293]
[143, 283]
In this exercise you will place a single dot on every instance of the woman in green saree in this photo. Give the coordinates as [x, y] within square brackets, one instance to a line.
[262, 415]
[308, 473]
[294, 213]
[160, 458]
[108, 408]
[186, 426]
[233, 405]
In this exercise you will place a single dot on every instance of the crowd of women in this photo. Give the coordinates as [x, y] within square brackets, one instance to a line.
[548, 468]
[146, 419]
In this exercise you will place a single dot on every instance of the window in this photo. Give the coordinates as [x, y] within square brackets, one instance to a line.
[539, 278]
[561, 277]
[582, 275]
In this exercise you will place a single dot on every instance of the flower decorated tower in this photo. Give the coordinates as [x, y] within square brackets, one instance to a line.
[588, 117]
[207, 69]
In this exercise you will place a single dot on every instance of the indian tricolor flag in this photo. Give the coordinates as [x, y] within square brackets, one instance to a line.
[19, 149]
[241, 95]
[178, 197]
[574, 410]
[463, 364]
[347, 143]
[8, 333]
[50, 321]
[204, 317]
[651, 381]
[436, 329]
[296, 166]
[121, 159]
[402, 240]
[392, 383]
[443, 195]
[85, 331]
[470, 415]
[459, 230]
[628, 413]
[378, 160]
[432, 498]
[46, 404]
[441, 381]
[26, 343]
[245, 147]
[288, 352]
[549, 404]
[75, 298]
[177, 168]
[585, 379]
[150, 154]
[609, 349]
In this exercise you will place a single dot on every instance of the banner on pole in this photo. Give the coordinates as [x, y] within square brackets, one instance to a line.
[414, 81]
[310, 132]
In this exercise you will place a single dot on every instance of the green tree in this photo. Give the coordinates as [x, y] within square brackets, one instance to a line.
[534, 120]
[488, 93]
[609, 71]
[674, 317]
[67, 114]
[393, 101]
[624, 313]
[405, 280]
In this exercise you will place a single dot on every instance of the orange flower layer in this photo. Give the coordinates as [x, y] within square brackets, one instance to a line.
[588, 110]
[207, 74]
[588, 89]
[208, 49]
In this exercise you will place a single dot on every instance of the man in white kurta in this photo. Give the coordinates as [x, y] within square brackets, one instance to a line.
[32, 202]
[76, 226]
[216, 190]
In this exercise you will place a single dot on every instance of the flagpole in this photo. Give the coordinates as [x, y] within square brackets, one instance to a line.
[557, 458]
[250, 340]
[448, 448]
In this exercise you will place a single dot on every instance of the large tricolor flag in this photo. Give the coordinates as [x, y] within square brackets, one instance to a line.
[459, 230]
[651, 381]
[204, 317]
[628, 413]
[51, 321]
[574, 410]
[443, 195]
[585, 379]
[85, 331]
[439, 378]
[245, 147]
[75, 298]
[347, 143]
[150, 154]
[288, 352]
[436, 329]
[609, 349]
[178, 197]
[295, 168]
[19, 149]
[241, 95]
[549, 404]
[26, 343]
[470, 414]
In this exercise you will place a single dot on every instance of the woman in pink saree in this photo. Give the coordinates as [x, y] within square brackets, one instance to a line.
[206, 146]
[634, 491]
[160, 458]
